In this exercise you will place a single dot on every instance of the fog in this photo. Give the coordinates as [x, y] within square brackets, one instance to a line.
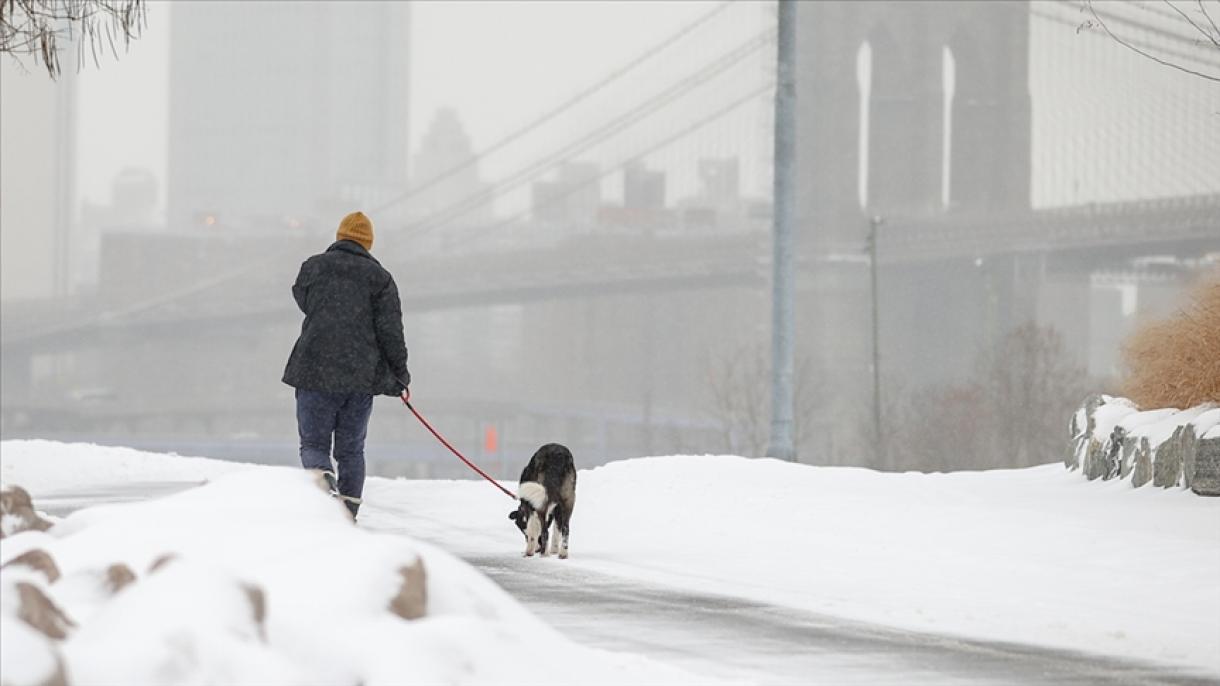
[575, 201]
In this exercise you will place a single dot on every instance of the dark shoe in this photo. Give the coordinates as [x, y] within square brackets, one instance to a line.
[331, 485]
[353, 503]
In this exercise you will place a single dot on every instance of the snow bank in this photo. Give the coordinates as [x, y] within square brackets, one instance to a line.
[39, 466]
[1028, 556]
[258, 577]
[1111, 438]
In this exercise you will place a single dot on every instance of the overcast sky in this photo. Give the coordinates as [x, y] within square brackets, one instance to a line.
[518, 55]
[501, 63]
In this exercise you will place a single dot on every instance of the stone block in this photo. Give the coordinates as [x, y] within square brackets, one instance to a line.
[1207, 467]
[18, 511]
[1126, 464]
[1167, 462]
[1112, 453]
[1190, 454]
[1080, 434]
[38, 560]
[37, 610]
[411, 601]
[1142, 472]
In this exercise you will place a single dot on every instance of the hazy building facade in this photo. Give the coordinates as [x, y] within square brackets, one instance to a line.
[37, 181]
[290, 134]
[573, 198]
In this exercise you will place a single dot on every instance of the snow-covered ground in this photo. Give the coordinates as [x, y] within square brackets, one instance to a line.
[1036, 556]
[326, 589]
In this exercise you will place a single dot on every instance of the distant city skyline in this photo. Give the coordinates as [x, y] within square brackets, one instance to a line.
[463, 57]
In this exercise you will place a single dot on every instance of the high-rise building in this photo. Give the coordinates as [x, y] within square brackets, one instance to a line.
[284, 115]
[643, 188]
[446, 178]
[38, 161]
[572, 198]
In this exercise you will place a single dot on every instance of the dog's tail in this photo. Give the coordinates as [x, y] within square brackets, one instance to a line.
[533, 493]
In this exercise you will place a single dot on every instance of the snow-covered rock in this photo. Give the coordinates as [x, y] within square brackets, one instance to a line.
[17, 512]
[1111, 438]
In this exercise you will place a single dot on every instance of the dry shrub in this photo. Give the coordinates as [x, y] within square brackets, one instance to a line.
[1175, 362]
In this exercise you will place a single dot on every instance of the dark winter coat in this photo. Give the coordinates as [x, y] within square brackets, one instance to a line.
[351, 340]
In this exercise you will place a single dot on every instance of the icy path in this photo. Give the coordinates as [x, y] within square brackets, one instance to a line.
[738, 639]
[741, 640]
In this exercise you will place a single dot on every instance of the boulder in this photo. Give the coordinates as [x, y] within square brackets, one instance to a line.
[1207, 467]
[1190, 454]
[1075, 454]
[411, 601]
[1142, 472]
[258, 608]
[37, 610]
[38, 560]
[1126, 463]
[1096, 460]
[161, 561]
[1112, 454]
[1080, 428]
[118, 575]
[17, 512]
[1167, 465]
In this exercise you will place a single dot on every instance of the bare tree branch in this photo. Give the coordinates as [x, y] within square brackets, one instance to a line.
[36, 27]
[1100, 22]
[1206, 34]
[1204, 12]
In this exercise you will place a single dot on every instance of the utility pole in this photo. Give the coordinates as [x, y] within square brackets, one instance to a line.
[878, 444]
[783, 329]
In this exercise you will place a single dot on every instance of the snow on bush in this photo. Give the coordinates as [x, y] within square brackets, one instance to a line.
[258, 577]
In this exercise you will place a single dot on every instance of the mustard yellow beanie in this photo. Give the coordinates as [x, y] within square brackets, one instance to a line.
[356, 227]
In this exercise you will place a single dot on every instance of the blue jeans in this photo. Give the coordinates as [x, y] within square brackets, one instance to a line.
[345, 416]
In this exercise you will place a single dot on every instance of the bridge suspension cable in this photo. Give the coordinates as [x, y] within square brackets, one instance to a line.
[564, 106]
[639, 113]
[1110, 125]
[666, 142]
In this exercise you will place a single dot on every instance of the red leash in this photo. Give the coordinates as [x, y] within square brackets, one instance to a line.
[455, 451]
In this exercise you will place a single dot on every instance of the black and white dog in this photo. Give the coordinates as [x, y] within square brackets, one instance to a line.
[547, 492]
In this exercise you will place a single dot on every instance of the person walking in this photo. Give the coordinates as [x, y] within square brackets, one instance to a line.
[351, 348]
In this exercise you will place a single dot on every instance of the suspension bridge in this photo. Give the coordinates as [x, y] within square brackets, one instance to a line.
[997, 134]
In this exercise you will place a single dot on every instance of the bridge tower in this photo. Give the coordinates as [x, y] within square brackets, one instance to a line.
[907, 110]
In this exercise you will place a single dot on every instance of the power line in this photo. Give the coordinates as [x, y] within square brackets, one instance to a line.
[561, 108]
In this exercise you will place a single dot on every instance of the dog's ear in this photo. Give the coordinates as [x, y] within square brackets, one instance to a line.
[515, 514]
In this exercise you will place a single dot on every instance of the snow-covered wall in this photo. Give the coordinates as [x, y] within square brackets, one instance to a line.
[1112, 439]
